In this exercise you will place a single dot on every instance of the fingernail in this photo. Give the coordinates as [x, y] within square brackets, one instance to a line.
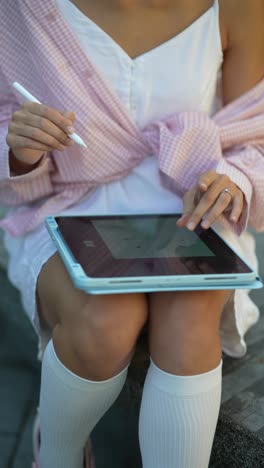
[183, 217]
[203, 186]
[179, 222]
[205, 224]
[233, 219]
[191, 225]
[70, 129]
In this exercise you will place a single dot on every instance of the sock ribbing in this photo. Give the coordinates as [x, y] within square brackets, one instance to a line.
[70, 407]
[178, 418]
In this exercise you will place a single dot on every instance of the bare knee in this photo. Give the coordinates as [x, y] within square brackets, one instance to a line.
[94, 336]
[101, 336]
[184, 330]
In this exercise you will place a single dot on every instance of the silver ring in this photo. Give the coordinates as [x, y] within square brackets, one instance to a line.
[228, 191]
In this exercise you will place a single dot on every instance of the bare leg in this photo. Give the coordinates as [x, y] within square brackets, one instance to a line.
[182, 392]
[94, 338]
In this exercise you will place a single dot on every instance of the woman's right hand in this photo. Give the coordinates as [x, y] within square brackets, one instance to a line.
[35, 129]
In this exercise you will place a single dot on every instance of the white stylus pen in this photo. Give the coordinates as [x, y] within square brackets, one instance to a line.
[31, 98]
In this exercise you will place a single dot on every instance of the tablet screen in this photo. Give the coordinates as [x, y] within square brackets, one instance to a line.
[148, 238]
[145, 245]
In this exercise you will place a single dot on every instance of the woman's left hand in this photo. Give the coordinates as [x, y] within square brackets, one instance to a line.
[209, 198]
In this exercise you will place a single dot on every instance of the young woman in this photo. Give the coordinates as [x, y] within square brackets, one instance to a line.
[160, 57]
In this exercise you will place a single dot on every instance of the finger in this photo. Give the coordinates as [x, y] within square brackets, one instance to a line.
[182, 221]
[36, 122]
[206, 179]
[35, 134]
[198, 196]
[23, 115]
[208, 200]
[188, 206]
[69, 115]
[18, 142]
[48, 113]
[218, 208]
[238, 204]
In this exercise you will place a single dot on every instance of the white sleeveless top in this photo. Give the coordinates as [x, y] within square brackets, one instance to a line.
[178, 75]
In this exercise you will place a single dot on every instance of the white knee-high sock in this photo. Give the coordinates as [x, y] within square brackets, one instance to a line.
[70, 407]
[178, 418]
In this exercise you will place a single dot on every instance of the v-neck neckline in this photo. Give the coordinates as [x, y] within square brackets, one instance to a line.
[52, 20]
[149, 52]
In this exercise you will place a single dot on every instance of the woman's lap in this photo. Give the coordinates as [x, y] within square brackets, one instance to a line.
[27, 256]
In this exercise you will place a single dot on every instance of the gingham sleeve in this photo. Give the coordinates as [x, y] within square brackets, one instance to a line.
[191, 143]
[15, 190]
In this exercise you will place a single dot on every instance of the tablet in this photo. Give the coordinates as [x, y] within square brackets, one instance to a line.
[132, 253]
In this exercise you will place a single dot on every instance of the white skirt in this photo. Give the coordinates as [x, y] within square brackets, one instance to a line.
[27, 254]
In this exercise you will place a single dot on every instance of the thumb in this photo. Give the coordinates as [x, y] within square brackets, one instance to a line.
[70, 115]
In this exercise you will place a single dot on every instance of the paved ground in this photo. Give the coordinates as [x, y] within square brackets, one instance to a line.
[115, 439]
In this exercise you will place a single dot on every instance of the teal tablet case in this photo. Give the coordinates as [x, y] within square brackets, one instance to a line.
[80, 279]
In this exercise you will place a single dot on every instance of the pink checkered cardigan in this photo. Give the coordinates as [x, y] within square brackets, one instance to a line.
[40, 51]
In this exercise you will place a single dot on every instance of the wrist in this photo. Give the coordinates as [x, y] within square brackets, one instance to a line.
[20, 167]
